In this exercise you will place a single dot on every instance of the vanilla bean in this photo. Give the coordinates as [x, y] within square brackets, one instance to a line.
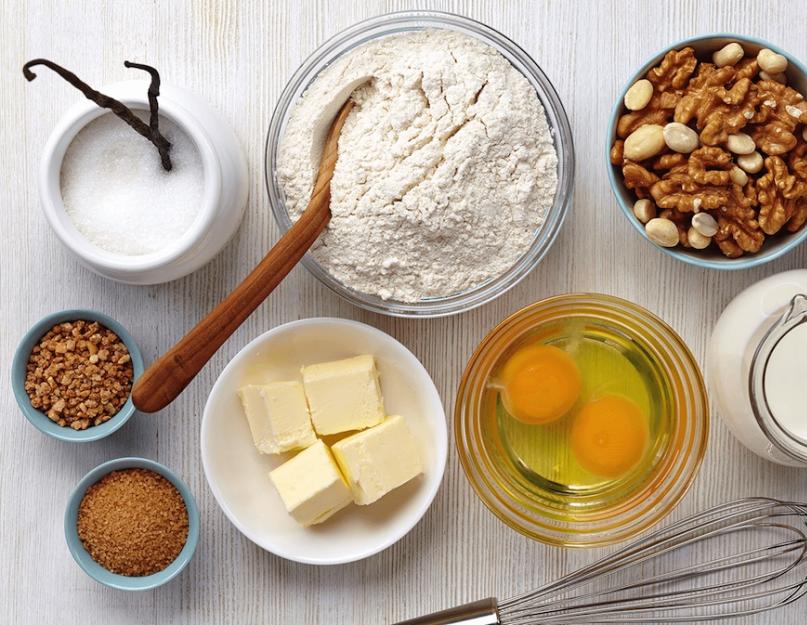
[154, 107]
[104, 101]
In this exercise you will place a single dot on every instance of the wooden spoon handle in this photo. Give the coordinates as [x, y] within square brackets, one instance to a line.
[168, 376]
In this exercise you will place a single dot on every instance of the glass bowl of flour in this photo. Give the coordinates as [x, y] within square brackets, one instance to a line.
[455, 166]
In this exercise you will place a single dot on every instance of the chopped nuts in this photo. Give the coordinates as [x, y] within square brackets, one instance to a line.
[771, 62]
[740, 143]
[644, 142]
[704, 224]
[79, 374]
[730, 54]
[644, 210]
[639, 94]
[680, 137]
[662, 232]
[697, 240]
[751, 163]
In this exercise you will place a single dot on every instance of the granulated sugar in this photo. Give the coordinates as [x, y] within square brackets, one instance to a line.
[117, 193]
[133, 522]
[446, 165]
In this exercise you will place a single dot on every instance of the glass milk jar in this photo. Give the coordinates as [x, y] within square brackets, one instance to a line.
[757, 364]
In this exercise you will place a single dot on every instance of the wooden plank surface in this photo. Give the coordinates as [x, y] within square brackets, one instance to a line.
[238, 56]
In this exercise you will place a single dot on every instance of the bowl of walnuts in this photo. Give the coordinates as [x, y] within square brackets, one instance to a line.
[707, 151]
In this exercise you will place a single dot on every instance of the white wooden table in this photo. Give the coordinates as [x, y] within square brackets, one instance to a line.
[239, 56]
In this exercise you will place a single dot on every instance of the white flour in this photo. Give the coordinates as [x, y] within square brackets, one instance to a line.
[446, 165]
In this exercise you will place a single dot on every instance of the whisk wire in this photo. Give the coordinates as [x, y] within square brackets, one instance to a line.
[669, 539]
[684, 573]
[628, 602]
[653, 602]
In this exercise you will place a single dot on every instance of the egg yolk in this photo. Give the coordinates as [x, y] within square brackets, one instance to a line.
[540, 383]
[609, 435]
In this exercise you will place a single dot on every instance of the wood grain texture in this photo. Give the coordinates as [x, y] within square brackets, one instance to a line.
[239, 56]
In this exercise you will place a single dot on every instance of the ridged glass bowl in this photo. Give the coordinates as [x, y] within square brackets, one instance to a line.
[624, 507]
[394, 23]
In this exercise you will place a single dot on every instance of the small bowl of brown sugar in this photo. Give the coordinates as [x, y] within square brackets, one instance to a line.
[72, 375]
[132, 524]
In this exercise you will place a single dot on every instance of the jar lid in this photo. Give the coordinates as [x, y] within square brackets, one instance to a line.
[778, 381]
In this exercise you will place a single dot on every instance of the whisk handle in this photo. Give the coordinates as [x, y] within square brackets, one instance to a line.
[483, 612]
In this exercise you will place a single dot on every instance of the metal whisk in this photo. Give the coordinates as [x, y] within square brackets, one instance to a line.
[734, 560]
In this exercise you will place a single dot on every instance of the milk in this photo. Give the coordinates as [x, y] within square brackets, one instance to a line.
[785, 378]
[117, 194]
[757, 367]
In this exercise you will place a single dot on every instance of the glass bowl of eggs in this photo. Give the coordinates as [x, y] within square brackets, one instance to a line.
[581, 420]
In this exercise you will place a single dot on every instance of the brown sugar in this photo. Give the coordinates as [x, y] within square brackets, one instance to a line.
[133, 522]
[79, 374]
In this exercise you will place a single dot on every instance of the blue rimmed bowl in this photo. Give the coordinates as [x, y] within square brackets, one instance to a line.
[18, 369]
[704, 46]
[95, 570]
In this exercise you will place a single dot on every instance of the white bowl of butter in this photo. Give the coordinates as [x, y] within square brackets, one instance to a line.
[238, 473]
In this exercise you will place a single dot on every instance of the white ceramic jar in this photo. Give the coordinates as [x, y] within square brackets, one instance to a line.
[757, 366]
[223, 200]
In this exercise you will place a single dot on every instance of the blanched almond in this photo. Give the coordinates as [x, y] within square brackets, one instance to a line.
[644, 210]
[697, 240]
[662, 232]
[771, 62]
[740, 143]
[644, 142]
[680, 137]
[730, 54]
[705, 224]
[639, 94]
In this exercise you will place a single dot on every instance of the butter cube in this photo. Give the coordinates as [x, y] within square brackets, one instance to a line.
[311, 486]
[278, 416]
[377, 460]
[343, 395]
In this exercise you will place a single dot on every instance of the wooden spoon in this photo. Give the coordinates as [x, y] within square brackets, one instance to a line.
[168, 376]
